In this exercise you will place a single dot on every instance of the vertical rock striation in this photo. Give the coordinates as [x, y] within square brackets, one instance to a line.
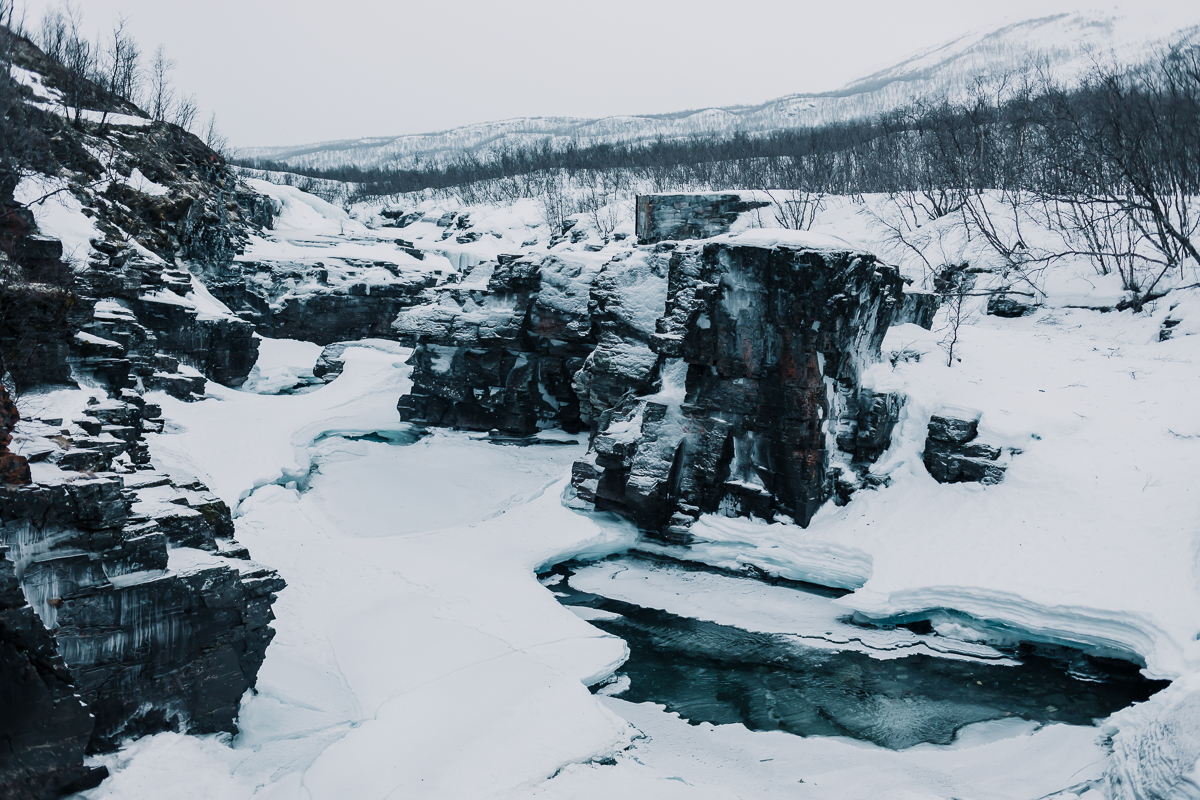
[45, 727]
[763, 341]
[499, 350]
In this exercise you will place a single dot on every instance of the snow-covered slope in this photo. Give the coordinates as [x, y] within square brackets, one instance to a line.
[1065, 44]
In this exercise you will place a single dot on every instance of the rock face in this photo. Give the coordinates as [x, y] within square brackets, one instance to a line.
[762, 349]
[45, 727]
[721, 376]
[689, 216]
[953, 453]
[161, 206]
[14, 469]
[125, 605]
[918, 308]
[155, 638]
[498, 351]
[312, 303]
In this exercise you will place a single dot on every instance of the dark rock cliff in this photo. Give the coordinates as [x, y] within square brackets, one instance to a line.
[156, 638]
[45, 727]
[499, 351]
[762, 349]
[142, 614]
[262, 294]
[716, 377]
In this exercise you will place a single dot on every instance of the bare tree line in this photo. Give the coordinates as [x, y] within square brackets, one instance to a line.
[115, 63]
[1112, 165]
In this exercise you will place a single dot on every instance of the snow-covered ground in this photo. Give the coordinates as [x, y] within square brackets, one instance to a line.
[418, 656]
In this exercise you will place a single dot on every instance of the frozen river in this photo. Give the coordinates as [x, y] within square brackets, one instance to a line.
[418, 655]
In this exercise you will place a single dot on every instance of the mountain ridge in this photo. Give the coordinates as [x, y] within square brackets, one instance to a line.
[1064, 45]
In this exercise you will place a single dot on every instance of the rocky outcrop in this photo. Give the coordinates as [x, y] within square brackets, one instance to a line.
[156, 634]
[720, 376]
[762, 345]
[627, 298]
[14, 469]
[499, 350]
[45, 727]
[265, 295]
[663, 217]
[954, 454]
[1010, 305]
[163, 206]
[139, 600]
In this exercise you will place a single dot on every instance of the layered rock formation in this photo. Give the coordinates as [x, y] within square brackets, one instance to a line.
[663, 217]
[143, 613]
[499, 350]
[45, 727]
[326, 301]
[157, 634]
[763, 341]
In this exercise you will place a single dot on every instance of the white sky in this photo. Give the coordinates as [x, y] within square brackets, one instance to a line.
[279, 72]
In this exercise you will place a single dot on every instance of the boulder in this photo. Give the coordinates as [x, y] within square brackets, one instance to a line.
[953, 453]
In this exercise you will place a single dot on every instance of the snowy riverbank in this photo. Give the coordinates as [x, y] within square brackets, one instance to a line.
[418, 656]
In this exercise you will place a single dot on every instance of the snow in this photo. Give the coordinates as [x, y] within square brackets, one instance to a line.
[282, 364]
[89, 338]
[418, 656]
[394, 672]
[59, 214]
[140, 183]
[1091, 399]
[1156, 746]
[208, 306]
[300, 211]
[675, 759]
[778, 237]
[813, 620]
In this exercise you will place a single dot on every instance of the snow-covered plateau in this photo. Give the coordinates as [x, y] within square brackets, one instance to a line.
[418, 655]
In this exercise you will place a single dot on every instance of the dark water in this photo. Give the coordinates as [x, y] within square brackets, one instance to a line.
[715, 673]
[506, 440]
[401, 438]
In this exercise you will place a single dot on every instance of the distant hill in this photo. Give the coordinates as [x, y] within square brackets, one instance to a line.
[1065, 45]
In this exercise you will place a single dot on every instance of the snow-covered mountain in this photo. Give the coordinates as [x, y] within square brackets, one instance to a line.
[1064, 45]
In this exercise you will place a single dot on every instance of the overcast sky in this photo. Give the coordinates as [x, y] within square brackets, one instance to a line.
[279, 72]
